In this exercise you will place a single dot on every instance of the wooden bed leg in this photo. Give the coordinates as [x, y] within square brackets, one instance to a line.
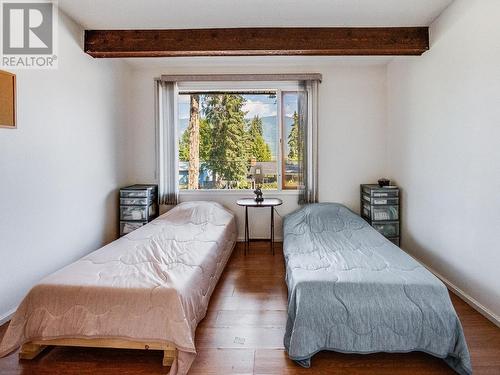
[169, 356]
[30, 351]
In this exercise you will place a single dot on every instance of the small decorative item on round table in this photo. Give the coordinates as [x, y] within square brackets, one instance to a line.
[258, 195]
[251, 202]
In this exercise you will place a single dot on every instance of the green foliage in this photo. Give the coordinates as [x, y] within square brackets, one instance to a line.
[227, 159]
[205, 142]
[294, 142]
[258, 149]
[269, 185]
[228, 142]
[184, 146]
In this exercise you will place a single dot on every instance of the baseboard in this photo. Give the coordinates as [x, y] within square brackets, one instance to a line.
[7, 316]
[484, 311]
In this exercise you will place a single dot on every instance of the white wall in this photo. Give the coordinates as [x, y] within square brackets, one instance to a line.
[60, 169]
[444, 149]
[352, 126]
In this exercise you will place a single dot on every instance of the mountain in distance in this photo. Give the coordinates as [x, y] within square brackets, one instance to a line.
[269, 129]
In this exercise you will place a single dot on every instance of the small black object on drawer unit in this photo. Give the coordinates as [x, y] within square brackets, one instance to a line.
[384, 182]
[380, 207]
[138, 206]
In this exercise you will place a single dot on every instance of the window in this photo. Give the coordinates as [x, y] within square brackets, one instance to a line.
[238, 139]
[292, 141]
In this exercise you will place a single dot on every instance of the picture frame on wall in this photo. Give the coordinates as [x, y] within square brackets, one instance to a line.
[7, 100]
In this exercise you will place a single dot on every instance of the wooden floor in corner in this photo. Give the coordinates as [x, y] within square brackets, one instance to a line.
[243, 334]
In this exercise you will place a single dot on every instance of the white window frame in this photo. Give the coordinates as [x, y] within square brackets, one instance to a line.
[244, 86]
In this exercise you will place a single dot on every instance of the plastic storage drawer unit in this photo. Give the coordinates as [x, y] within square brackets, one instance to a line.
[380, 207]
[138, 206]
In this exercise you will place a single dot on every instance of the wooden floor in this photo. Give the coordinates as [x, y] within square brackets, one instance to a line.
[243, 334]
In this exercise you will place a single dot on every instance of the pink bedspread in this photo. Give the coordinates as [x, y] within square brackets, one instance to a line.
[154, 284]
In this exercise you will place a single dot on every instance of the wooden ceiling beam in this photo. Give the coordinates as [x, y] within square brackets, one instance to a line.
[320, 41]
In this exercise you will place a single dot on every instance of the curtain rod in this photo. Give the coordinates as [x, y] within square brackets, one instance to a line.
[240, 77]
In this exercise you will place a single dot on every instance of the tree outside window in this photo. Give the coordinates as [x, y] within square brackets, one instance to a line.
[232, 140]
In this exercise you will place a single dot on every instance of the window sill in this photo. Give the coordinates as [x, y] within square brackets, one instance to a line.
[238, 192]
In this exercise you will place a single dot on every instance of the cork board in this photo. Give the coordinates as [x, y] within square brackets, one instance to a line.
[7, 100]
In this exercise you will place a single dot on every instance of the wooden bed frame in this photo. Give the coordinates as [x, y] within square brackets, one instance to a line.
[31, 349]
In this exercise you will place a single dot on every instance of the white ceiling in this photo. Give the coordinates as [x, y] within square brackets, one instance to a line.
[164, 14]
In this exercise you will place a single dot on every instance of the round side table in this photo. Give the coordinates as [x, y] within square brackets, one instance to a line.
[250, 202]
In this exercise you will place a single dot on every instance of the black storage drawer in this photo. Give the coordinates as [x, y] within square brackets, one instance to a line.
[378, 192]
[381, 213]
[135, 201]
[377, 201]
[129, 226]
[140, 191]
[380, 207]
[138, 206]
[134, 194]
[135, 213]
[387, 228]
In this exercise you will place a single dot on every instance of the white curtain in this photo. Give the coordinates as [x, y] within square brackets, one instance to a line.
[308, 116]
[167, 153]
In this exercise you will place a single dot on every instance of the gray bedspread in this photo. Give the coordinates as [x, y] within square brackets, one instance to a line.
[351, 290]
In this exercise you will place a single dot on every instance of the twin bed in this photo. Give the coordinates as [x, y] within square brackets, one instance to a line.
[353, 291]
[147, 290]
[350, 290]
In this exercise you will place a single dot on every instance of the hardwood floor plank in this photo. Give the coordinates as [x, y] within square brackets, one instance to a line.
[223, 361]
[240, 337]
[250, 301]
[277, 362]
[262, 318]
